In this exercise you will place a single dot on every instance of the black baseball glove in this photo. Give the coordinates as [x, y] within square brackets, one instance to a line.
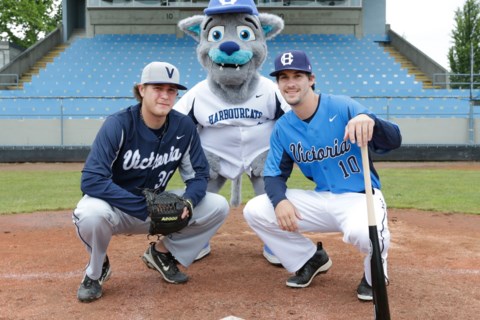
[165, 211]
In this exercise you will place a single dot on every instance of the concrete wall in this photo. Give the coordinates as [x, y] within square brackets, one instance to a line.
[374, 16]
[25, 61]
[435, 131]
[49, 132]
[404, 153]
[81, 132]
[164, 20]
[8, 52]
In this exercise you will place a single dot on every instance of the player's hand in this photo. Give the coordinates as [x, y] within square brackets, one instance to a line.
[185, 214]
[287, 216]
[359, 130]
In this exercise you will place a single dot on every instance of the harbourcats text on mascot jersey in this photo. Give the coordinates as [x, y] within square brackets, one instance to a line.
[235, 107]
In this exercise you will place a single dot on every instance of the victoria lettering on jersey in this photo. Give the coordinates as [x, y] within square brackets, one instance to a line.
[314, 154]
[133, 159]
[234, 113]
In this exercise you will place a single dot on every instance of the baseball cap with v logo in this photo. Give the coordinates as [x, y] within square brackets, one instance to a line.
[161, 73]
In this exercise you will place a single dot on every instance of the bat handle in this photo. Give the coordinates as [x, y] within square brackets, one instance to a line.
[368, 186]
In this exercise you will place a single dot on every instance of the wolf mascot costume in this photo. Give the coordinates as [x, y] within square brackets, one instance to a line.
[235, 107]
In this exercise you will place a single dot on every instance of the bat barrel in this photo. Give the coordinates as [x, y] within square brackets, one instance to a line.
[380, 296]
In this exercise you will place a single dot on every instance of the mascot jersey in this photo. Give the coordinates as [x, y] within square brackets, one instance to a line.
[237, 133]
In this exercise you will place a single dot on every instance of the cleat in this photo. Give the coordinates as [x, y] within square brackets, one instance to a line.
[318, 263]
[165, 264]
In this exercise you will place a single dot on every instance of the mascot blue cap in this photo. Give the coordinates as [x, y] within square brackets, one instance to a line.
[231, 6]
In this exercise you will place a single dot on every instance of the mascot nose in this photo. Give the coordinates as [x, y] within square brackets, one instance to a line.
[229, 47]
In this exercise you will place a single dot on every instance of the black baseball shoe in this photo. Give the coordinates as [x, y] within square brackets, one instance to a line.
[106, 271]
[364, 290]
[165, 264]
[91, 290]
[318, 263]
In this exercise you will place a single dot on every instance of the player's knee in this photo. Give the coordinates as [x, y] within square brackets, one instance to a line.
[223, 206]
[89, 208]
[359, 238]
[253, 209]
[218, 203]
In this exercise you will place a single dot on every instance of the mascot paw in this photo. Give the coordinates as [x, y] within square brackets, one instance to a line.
[258, 163]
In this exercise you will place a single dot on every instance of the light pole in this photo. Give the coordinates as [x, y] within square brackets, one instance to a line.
[471, 122]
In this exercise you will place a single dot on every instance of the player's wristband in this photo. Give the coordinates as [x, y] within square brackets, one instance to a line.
[189, 205]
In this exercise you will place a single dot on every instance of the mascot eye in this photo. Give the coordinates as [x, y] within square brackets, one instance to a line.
[216, 33]
[245, 33]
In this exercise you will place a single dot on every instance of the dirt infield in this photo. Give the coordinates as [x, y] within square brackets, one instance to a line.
[434, 268]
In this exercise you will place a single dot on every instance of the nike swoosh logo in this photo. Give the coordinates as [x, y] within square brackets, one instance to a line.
[180, 137]
[332, 118]
[164, 267]
[258, 95]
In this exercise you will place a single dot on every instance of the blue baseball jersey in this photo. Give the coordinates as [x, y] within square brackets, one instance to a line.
[318, 148]
[127, 156]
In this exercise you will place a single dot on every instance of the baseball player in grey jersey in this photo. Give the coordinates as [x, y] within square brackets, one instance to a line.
[322, 134]
[139, 148]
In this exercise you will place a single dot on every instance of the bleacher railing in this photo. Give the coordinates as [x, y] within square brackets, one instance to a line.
[63, 109]
[457, 80]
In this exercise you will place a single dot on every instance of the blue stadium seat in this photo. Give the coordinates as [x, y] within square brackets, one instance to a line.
[31, 108]
[109, 65]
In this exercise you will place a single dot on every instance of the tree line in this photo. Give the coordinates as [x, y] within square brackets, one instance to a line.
[24, 22]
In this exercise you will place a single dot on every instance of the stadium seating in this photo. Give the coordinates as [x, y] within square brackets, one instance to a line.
[94, 77]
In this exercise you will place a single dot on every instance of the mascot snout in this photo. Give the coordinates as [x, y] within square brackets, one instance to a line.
[229, 47]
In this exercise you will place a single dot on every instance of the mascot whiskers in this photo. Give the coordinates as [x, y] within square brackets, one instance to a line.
[235, 107]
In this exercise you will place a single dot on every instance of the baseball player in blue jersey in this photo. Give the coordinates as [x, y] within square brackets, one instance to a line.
[322, 135]
[137, 148]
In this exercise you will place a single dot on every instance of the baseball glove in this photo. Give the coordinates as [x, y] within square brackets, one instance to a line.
[165, 211]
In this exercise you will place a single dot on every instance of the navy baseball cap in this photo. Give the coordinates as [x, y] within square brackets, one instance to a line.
[231, 6]
[292, 60]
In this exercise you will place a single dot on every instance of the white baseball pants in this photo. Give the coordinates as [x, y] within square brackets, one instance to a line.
[321, 212]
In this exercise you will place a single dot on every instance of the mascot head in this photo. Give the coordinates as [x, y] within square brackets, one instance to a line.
[232, 46]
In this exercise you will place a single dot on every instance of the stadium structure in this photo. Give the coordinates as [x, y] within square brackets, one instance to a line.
[55, 95]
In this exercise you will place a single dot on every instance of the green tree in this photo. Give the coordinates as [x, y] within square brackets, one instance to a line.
[466, 36]
[24, 22]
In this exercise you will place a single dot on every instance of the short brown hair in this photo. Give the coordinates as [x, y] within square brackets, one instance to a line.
[136, 93]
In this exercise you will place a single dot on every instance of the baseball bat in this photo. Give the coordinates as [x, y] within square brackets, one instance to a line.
[380, 297]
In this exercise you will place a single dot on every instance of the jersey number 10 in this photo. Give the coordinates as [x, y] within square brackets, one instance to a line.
[349, 166]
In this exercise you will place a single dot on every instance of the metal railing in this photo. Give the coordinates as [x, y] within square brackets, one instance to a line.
[457, 80]
[63, 109]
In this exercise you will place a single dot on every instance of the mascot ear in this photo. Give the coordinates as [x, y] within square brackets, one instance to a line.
[191, 26]
[271, 24]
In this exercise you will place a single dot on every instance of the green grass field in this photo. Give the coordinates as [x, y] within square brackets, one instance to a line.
[452, 190]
